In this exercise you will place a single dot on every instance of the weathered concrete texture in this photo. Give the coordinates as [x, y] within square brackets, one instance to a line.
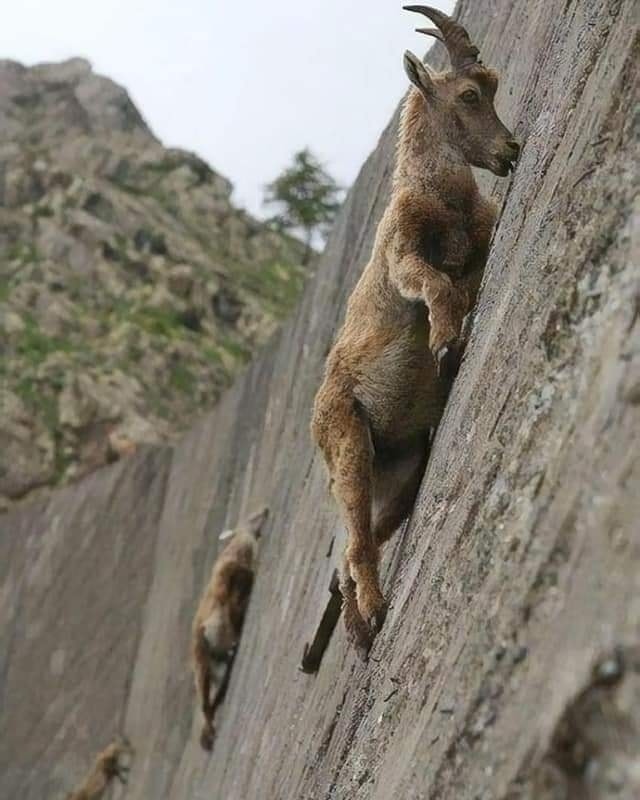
[518, 573]
[74, 578]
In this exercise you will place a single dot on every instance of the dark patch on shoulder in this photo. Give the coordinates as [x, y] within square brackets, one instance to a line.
[431, 247]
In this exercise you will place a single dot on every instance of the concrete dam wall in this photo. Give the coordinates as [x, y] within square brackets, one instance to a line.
[514, 588]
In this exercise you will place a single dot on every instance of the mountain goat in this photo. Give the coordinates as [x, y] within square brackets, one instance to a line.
[388, 373]
[106, 767]
[218, 621]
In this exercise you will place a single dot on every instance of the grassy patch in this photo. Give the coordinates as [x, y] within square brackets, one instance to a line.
[162, 167]
[182, 379]
[158, 322]
[211, 354]
[234, 348]
[129, 188]
[34, 346]
[22, 251]
[44, 404]
[43, 211]
[280, 285]
[135, 354]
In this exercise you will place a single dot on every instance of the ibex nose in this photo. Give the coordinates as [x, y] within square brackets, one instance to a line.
[514, 146]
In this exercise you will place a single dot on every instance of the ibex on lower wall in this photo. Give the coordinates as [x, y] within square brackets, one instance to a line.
[388, 373]
[107, 766]
[218, 621]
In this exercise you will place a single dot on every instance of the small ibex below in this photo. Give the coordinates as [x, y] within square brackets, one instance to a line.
[107, 766]
[390, 368]
[218, 621]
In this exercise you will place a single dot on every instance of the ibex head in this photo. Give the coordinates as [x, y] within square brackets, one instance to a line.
[243, 540]
[112, 759]
[252, 526]
[462, 99]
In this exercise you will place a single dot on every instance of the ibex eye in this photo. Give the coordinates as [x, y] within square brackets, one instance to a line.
[469, 96]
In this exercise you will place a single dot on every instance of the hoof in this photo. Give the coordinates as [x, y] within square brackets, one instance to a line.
[374, 614]
[359, 636]
[448, 360]
[362, 649]
[206, 739]
[376, 620]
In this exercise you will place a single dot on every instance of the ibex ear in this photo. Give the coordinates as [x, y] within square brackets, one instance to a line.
[417, 73]
[257, 520]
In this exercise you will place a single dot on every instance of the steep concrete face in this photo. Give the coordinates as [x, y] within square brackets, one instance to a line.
[514, 588]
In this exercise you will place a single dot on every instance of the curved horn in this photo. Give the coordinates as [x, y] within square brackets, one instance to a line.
[462, 52]
[431, 32]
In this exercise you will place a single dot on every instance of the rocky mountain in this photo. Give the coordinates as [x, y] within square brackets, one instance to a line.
[508, 667]
[132, 290]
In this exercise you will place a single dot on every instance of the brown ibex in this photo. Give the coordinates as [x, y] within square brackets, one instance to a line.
[390, 367]
[218, 621]
[107, 766]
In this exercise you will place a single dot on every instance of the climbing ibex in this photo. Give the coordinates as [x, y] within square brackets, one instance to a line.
[218, 621]
[106, 767]
[390, 368]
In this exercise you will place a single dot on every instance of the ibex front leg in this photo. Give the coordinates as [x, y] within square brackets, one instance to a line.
[447, 304]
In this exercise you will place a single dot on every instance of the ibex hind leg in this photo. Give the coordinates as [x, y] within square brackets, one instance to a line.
[357, 629]
[342, 430]
[397, 479]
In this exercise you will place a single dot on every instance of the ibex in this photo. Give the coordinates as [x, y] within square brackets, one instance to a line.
[218, 621]
[106, 767]
[390, 367]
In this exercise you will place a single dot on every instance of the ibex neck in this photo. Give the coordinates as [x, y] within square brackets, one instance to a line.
[425, 159]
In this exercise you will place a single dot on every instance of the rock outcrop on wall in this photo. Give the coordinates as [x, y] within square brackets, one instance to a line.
[132, 290]
[508, 666]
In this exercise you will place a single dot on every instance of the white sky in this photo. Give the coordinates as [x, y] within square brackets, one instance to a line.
[243, 84]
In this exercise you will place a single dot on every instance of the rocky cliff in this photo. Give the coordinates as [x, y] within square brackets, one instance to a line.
[131, 288]
[508, 666]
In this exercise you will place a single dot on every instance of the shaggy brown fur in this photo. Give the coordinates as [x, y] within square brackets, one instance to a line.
[388, 373]
[107, 766]
[218, 621]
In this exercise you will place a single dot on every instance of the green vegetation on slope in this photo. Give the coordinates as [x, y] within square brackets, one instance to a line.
[131, 289]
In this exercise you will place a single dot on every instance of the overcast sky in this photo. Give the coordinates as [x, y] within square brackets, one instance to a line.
[243, 83]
